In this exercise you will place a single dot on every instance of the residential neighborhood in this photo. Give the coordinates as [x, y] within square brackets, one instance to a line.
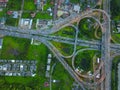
[17, 68]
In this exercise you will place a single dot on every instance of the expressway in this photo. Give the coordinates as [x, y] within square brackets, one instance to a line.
[59, 24]
[95, 44]
[69, 69]
[66, 66]
[44, 37]
[106, 47]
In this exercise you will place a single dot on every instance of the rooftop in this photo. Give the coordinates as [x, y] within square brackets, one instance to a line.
[3, 0]
[1, 42]
[17, 68]
[25, 23]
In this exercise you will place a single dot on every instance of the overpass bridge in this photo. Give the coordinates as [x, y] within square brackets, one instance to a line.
[95, 44]
[106, 56]
[45, 36]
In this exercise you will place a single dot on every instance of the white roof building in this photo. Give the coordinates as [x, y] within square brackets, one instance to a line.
[98, 60]
[15, 14]
[10, 74]
[49, 55]
[47, 74]
[21, 67]
[98, 76]
[12, 61]
[1, 42]
[48, 61]
[4, 67]
[76, 8]
[33, 75]
[48, 67]
[25, 23]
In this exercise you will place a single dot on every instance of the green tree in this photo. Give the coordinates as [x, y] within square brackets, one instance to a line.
[115, 8]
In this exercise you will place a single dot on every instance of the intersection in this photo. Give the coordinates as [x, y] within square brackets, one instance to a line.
[104, 46]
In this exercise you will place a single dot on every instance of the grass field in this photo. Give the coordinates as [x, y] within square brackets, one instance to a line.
[62, 75]
[20, 49]
[29, 5]
[65, 49]
[66, 32]
[116, 38]
[12, 21]
[87, 29]
[3, 13]
[14, 4]
[84, 60]
[114, 74]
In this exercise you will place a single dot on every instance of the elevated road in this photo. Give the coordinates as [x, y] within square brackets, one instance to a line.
[61, 23]
[44, 37]
[106, 46]
[92, 44]
[66, 66]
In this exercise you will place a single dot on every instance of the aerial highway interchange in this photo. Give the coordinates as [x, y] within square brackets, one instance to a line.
[108, 50]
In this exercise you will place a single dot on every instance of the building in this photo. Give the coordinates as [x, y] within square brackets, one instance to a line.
[55, 81]
[60, 13]
[98, 60]
[39, 4]
[17, 68]
[15, 14]
[61, 2]
[2, 21]
[46, 84]
[3, 3]
[67, 1]
[35, 42]
[98, 76]
[25, 23]
[48, 66]
[76, 8]
[49, 61]
[21, 67]
[118, 28]
[1, 42]
[49, 55]
[41, 23]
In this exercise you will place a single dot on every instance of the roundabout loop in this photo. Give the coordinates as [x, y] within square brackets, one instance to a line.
[101, 64]
[85, 76]
[77, 76]
[75, 44]
[76, 28]
[102, 29]
[72, 19]
[73, 58]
